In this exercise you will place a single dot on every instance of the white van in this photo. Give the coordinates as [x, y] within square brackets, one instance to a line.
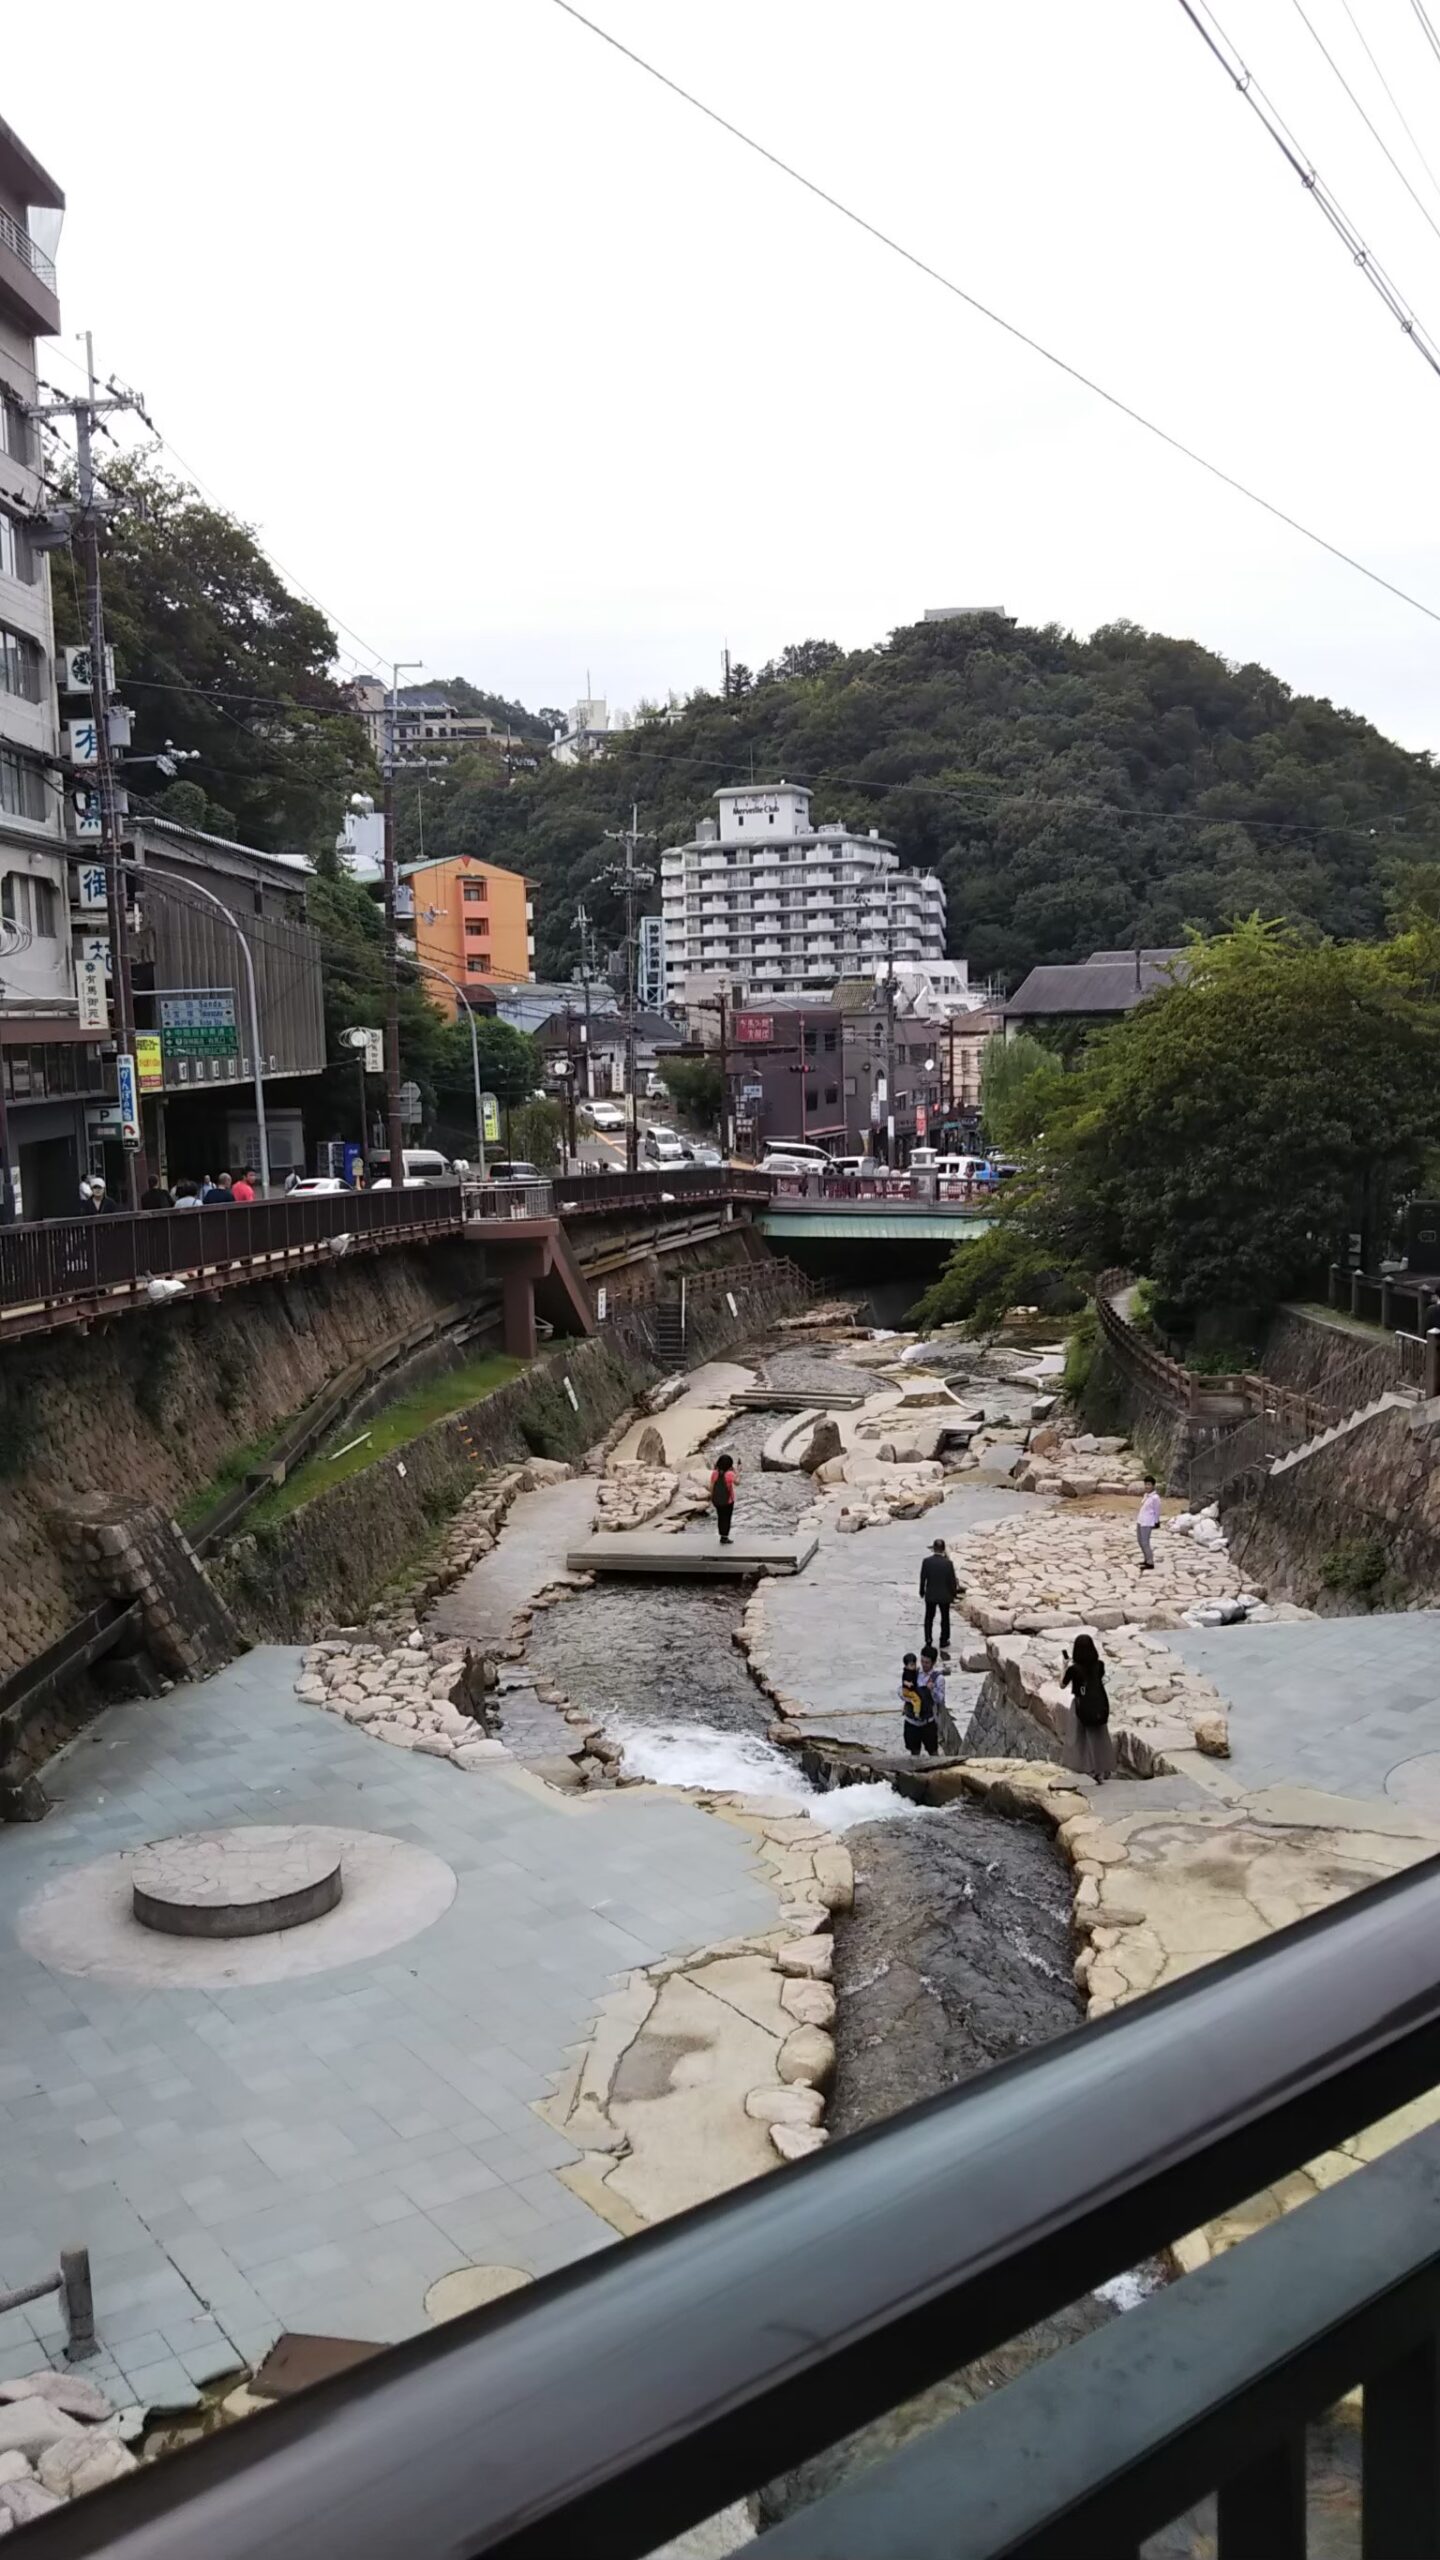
[422, 1165]
[796, 1155]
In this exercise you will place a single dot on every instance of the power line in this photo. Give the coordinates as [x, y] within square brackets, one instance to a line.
[1314, 32]
[1390, 94]
[1242, 78]
[1431, 37]
[923, 267]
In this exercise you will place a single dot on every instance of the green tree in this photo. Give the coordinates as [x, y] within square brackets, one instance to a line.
[1017, 1080]
[693, 1085]
[1234, 1127]
[213, 651]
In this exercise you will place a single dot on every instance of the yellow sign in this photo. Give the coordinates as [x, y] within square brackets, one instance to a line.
[490, 1119]
[149, 1066]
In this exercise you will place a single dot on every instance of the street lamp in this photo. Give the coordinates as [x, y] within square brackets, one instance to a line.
[428, 969]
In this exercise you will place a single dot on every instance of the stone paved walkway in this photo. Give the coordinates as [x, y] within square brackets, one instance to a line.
[836, 1633]
[313, 2154]
[539, 1528]
[1347, 1705]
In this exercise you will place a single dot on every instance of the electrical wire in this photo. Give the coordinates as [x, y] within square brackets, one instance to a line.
[1313, 31]
[935, 275]
[1431, 37]
[1390, 94]
[1242, 78]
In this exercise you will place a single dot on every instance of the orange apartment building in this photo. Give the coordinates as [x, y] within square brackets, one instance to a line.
[475, 921]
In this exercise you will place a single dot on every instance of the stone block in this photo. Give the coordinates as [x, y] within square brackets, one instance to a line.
[807, 2056]
[28, 2426]
[84, 2463]
[785, 2105]
[68, 2391]
[797, 2141]
[811, 1957]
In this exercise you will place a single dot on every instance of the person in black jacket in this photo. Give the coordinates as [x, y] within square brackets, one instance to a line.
[939, 1588]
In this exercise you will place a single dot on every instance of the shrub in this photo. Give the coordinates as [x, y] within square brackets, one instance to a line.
[1355, 1566]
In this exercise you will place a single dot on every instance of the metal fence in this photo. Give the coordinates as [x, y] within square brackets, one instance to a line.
[98, 1263]
[612, 2406]
[62, 1260]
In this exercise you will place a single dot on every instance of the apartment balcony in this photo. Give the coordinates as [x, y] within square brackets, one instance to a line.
[27, 280]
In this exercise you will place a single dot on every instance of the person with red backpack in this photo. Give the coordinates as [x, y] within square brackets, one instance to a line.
[722, 1494]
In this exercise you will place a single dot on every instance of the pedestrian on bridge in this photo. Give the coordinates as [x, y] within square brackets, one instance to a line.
[939, 1589]
[722, 1494]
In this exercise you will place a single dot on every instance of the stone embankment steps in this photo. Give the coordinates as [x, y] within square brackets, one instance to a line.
[1395, 1397]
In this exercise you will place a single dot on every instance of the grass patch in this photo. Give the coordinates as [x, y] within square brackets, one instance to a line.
[232, 1472]
[387, 1431]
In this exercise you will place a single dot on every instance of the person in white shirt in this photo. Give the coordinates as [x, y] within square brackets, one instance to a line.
[1147, 1521]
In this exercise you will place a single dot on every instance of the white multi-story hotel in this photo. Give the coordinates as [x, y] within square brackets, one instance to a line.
[768, 901]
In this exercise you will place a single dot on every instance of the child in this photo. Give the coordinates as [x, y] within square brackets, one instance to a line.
[922, 1733]
[932, 1680]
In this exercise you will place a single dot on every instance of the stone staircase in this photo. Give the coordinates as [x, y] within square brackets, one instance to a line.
[1404, 1398]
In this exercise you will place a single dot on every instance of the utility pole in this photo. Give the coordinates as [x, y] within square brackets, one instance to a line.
[396, 1134]
[84, 526]
[631, 881]
[571, 1080]
[582, 926]
[889, 1022]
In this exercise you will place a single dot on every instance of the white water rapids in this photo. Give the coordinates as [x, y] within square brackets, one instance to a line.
[701, 1756]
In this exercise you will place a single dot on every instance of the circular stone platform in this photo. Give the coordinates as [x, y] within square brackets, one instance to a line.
[83, 1921]
[235, 1884]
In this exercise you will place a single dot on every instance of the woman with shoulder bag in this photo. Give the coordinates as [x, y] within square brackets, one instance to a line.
[1089, 1751]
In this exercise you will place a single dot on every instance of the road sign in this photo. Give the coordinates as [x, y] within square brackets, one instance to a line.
[127, 1099]
[149, 1061]
[82, 742]
[198, 1026]
[410, 1102]
[90, 882]
[490, 1119]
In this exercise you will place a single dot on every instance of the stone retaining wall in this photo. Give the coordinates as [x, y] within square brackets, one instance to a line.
[1379, 1483]
[1304, 1351]
[325, 1563]
[161, 1399]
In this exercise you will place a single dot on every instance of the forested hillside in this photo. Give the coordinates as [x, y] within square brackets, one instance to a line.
[1071, 793]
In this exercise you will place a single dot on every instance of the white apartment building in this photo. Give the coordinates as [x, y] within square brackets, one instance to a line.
[591, 726]
[765, 900]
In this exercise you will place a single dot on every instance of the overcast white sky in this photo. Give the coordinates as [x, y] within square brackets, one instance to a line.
[525, 370]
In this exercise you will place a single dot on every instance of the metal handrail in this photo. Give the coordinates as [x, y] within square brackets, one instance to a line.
[16, 237]
[696, 2362]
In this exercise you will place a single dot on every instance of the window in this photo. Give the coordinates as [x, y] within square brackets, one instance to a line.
[21, 665]
[832, 1093]
[475, 892]
[17, 432]
[30, 903]
[17, 560]
[22, 787]
[812, 1101]
[830, 1040]
[477, 932]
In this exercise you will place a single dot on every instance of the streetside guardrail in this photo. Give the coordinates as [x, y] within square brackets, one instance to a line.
[58, 1267]
[738, 2340]
[71, 2280]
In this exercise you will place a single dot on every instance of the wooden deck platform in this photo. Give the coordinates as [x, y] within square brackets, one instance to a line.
[700, 1558]
[796, 1400]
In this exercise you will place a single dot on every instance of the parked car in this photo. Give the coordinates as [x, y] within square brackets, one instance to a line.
[858, 1167]
[309, 1183]
[663, 1146]
[709, 1156]
[513, 1169]
[605, 1115]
